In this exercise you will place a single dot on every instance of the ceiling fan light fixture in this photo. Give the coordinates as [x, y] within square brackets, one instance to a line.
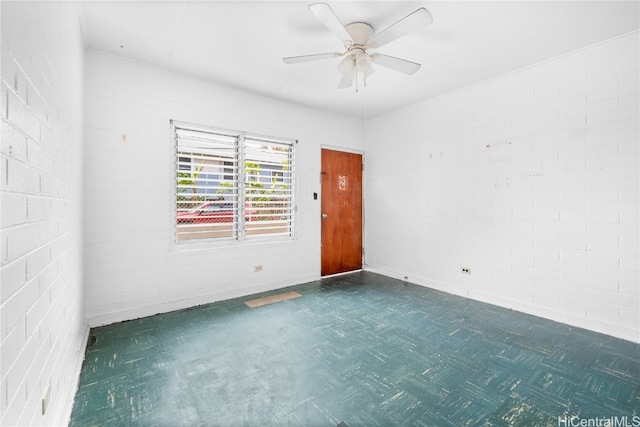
[347, 66]
[363, 63]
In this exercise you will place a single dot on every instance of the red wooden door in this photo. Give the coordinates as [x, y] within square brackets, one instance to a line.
[341, 207]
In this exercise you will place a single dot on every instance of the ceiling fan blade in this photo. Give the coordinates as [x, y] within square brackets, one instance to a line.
[326, 15]
[308, 58]
[345, 82]
[410, 23]
[397, 64]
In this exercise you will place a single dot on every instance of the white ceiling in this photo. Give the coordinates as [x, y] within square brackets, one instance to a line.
[242, 43]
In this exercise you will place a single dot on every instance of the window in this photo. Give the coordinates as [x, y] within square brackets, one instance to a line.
[232, 185]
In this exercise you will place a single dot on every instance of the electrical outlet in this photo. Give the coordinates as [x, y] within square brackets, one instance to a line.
[257, 268]
[465, 270]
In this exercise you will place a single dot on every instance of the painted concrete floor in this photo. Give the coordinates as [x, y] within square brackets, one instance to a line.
[355, 350]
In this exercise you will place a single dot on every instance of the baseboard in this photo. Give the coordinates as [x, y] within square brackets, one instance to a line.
[616, 331]
[63, 416]
[223, 295]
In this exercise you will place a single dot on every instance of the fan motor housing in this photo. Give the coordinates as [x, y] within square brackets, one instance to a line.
[360, 32]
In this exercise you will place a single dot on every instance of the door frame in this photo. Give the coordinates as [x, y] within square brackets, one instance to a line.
[352, 151]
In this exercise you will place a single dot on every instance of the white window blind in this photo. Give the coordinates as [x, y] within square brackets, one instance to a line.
[232, 185]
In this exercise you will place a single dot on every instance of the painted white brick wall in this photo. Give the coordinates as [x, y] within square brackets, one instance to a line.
[133, 267]
[530, 180]
[42, 326]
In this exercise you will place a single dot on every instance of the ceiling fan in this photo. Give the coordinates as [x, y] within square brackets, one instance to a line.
[358, 38]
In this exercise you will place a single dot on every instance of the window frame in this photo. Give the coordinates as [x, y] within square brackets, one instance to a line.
[239, 235]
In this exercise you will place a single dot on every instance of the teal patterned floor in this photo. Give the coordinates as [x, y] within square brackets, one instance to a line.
[355, 350]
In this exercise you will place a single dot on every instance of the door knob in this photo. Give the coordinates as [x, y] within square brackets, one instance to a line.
[324, 216]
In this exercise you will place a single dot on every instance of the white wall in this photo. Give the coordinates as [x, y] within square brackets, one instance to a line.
[133, 267]
[42, 326]
[530, 180]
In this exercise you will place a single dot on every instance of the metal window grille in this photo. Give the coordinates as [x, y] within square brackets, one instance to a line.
[232, 185]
